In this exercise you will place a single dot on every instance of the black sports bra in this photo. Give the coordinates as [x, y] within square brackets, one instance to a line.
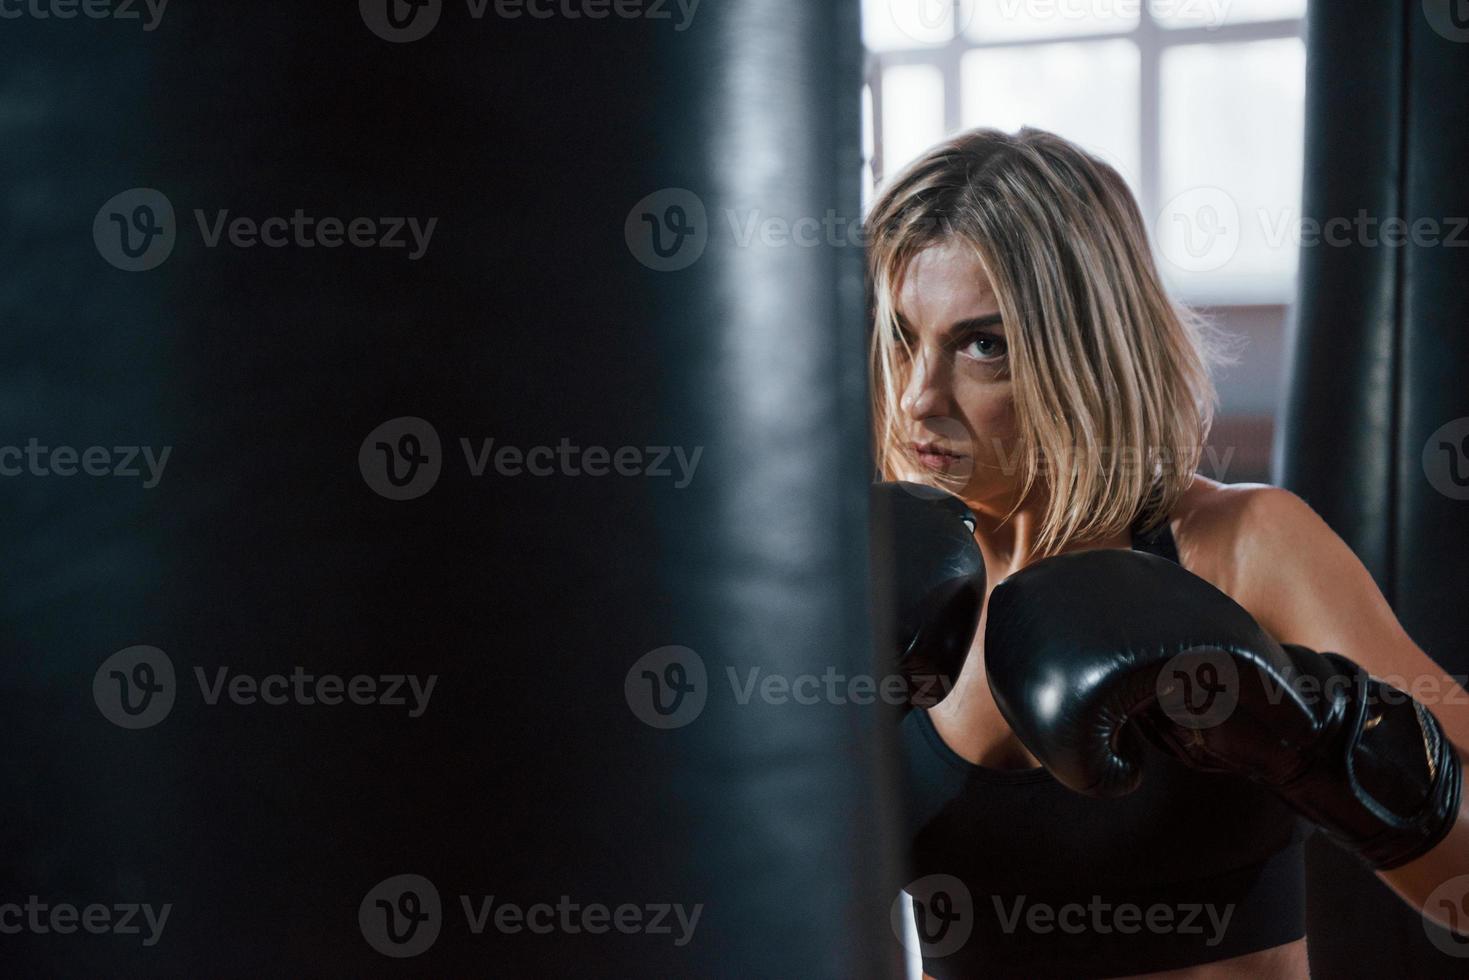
[1013, 875]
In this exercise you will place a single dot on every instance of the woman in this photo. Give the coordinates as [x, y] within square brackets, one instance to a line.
[1026, 358]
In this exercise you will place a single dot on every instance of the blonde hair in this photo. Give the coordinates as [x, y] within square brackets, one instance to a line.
[1110, 377]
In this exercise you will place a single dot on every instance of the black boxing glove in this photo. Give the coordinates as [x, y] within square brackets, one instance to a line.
[1091, 651]
[928, 585]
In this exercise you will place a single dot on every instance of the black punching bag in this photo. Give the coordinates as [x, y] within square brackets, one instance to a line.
[408, 461]
[1376, 428]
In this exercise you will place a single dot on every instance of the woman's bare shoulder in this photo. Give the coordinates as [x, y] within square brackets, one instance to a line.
[1217, 527]
[1270, 551]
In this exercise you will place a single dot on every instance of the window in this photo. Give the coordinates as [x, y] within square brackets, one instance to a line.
[1199, 104]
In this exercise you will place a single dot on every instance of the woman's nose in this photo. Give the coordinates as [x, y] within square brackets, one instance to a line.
[922, 396]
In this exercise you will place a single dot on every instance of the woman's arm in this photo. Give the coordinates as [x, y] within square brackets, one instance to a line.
[1304, 585]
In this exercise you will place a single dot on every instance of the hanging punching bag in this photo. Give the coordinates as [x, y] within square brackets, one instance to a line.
[407, 465]
[1375, 434]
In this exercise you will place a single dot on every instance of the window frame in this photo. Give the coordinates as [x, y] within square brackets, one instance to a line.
[1152, 40]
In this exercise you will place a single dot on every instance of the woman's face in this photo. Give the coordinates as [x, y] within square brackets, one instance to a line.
[957, 410]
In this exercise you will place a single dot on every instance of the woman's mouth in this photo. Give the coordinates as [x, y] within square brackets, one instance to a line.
[937, 457]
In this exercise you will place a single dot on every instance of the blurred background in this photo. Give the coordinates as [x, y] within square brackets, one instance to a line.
[1198, 103]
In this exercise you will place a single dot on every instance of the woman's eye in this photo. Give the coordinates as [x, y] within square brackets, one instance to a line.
[984, 347]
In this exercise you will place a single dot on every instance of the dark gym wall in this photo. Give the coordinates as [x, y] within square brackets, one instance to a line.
[540, 311]
[1375, 426]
